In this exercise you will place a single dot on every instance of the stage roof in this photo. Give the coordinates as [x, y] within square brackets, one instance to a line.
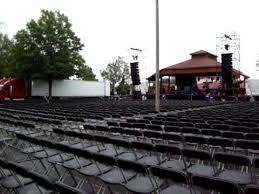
[201, 62]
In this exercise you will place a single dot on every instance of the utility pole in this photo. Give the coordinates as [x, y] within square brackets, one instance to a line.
[157, 100]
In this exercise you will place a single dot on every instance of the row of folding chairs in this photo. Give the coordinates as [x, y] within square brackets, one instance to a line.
[15, 178]
[207, 141]
[97, 109]
[140, 178]
[196, 127]
[210, 121]
[225, 158]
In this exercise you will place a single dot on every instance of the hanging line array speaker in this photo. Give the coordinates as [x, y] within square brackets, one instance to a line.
[135, 73]
[227, 70]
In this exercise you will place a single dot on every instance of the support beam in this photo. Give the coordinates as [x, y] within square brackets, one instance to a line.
[157, 100]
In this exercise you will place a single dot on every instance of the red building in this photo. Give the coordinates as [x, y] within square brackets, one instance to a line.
[201, 72]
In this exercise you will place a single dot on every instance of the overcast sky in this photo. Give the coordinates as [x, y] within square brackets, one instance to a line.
[108, 28]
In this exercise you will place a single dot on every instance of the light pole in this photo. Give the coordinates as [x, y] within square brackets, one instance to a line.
[157, 100]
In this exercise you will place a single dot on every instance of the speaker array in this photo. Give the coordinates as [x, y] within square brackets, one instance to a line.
[135, 73]
[227, 70]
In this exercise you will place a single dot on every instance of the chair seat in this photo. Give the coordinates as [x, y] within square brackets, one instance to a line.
[73, 164]
[176, 189]
[79, 145]
[129, 156]
[33, 149]
[236, 177]
[95, 149]
[33, 189]
[71, 142]
[148, 160]
[252, 151]
[10, 182]
[45, 154]
[59, 159]
[5, 172]
[142, 184]
[174, 164]
[115, 176]
[110, 152]
[63, 188]
[201, 170]
[92, 170]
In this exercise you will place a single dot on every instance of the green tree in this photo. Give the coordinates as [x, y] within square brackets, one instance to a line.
[47, 49]
[85, 73]
[116, 72]
[6, 46]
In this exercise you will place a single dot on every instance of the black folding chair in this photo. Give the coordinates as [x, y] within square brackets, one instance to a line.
[174, 181]
[234, 168]
[142, 182]
[206, 184]
[171, 157]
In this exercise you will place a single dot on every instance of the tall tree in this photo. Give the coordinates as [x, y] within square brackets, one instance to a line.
[47, 49]
[85, 73]
[116, 72]
[6, 46]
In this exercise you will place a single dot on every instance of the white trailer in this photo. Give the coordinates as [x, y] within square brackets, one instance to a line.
[252, 87]
[71, 88]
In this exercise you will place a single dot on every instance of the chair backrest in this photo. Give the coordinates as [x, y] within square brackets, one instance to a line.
[117, 129]
[211, 132]
[47, 143]
[231, 122]
[102, 128]
[89, 127]
[157, 122]
[252, 190]
[128, 125]
[120, 142]
[197, 154]
[84, 136]
[249, 124]
[196, 121]
[252, 136]
[203, 125]
[131, 165]
[81, 152]
[214, 184]
[172, 137]
[42, 180]
[153, 134]
[104, 159]
[133, 132]
[195, 139]
[256, 162]
[169, 174]
[102, 138]
[237, 160]
[247, 144]
[186, 124]
[155, 127]
[110, 123]
[192, 130]
[172, 129]
[142, 146]
[164, 148]
[224, 142]
[243, 129]
[58, 131]
[230, 134]
[140, 125]
[222, 127]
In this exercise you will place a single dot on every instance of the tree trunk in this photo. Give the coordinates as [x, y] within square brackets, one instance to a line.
[26, 88]
[50, 89]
